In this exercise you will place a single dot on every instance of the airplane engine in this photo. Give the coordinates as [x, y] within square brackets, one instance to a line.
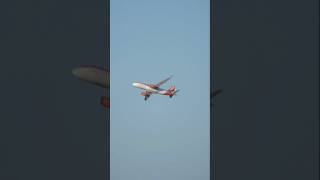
[105, 102]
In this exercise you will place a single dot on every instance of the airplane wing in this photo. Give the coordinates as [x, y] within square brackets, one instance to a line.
[164, 81]
[93, 74]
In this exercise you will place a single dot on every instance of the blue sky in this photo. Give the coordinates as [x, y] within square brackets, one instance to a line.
[161, 138]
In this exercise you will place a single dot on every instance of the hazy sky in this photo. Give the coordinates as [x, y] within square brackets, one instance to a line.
[161, 138]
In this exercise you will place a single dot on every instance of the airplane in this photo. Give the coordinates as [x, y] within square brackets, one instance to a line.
[97, 76]
[215, 93]
[155, 89]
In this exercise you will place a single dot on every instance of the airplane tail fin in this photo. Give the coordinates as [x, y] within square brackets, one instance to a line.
[173, 92]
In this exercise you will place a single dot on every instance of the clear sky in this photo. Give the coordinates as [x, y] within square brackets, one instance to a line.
[162, 138]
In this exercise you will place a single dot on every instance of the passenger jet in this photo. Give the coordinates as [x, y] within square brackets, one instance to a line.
[155, 89]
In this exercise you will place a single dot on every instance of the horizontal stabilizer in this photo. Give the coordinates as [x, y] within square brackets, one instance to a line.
[176, 91]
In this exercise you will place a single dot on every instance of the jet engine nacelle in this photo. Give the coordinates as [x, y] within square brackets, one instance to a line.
[105, 102]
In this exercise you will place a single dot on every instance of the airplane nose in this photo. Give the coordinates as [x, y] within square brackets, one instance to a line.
[134, 84]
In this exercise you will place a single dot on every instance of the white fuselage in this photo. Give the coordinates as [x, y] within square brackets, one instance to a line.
[148, 88]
